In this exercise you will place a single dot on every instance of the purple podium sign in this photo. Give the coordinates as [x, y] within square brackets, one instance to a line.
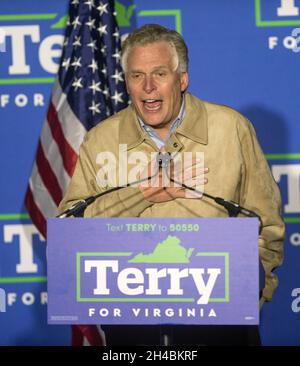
[153, 271]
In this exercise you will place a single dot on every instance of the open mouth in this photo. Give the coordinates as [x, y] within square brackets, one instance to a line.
[152, 105]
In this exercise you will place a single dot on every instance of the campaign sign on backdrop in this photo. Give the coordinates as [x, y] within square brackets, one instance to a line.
[153, 271]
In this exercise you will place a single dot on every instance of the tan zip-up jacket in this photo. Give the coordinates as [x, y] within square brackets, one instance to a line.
[237, 171]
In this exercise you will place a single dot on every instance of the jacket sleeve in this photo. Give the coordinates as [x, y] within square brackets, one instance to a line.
[126, 202]
[261, 194]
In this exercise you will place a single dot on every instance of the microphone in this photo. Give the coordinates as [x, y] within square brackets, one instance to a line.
[79, 207]
[233, 208]
[163, 160]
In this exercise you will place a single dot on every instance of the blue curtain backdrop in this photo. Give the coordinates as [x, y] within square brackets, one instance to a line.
[244, 54]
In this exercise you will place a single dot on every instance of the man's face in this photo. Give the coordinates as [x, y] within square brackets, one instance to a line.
[154, 85]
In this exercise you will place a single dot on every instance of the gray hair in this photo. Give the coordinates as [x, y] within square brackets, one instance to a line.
[151, 33]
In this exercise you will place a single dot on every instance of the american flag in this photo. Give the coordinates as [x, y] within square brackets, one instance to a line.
[89, 88]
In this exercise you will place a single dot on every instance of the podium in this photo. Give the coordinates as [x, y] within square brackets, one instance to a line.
[166, 272]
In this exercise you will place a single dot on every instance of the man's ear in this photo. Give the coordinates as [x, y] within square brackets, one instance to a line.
[184, 81]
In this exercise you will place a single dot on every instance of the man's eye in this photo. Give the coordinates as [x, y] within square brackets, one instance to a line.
[135, 76]
[161, 75]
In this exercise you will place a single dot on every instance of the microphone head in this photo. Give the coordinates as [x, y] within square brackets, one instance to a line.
[163, 159]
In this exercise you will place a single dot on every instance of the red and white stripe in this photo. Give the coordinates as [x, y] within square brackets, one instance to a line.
[56, 156]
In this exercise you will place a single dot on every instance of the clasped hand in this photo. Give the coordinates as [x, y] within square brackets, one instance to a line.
[165, 184]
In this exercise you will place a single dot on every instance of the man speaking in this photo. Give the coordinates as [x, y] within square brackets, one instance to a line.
[163, 116]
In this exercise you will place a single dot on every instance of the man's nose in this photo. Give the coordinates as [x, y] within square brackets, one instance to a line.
[149, 84]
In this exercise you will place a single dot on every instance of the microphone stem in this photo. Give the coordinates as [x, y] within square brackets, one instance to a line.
[232, 208]
[79, 207]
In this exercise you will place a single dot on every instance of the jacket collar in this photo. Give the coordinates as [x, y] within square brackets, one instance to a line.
[193, 126]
